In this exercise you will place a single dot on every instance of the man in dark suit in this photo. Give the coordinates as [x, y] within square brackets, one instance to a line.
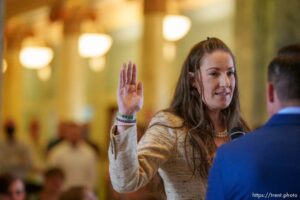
[265, 164]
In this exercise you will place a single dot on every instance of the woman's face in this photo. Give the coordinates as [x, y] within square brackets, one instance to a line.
[217, 75]
[17, 190]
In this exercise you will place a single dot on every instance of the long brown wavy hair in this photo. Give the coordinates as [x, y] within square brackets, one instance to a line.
[187, 103]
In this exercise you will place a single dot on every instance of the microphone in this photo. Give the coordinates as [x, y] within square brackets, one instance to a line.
[236, 132]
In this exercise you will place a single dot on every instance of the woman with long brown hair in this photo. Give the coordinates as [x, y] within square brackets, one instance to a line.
[181, 140]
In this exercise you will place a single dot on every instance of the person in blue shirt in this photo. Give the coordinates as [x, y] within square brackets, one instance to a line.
[266, 163]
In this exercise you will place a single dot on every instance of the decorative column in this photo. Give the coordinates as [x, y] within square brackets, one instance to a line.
[153, 68]
[244, 47]
[13, 98]
[71, 88]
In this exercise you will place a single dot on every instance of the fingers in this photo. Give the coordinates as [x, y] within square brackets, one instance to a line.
[122, 76]
[128, 75]
[133, 77]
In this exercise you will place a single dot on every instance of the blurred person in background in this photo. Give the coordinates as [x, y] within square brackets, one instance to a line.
[52, 185]
[11, 187]
[15, 156]
[35, 176]
[78, 193]
[61, 135]
[86, 129]
[76, 158]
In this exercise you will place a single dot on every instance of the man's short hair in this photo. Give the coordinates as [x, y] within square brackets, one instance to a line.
[54, 171]
[284, 73]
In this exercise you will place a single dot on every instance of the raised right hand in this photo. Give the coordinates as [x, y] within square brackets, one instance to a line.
[130, 93]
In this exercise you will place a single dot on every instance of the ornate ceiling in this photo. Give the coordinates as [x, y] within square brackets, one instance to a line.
[43, 17]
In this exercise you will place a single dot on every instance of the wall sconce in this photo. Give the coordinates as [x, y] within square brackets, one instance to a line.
[175, 27]
[93, 45]
[35, 57]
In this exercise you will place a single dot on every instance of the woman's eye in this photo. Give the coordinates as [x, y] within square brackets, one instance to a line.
[213, 74]
[230, 73]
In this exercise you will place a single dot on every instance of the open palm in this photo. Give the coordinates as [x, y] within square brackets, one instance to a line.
[130, 93]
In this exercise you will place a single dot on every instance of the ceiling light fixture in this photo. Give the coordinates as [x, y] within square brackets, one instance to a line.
[94, 44]
[175, 27]
[35, 57]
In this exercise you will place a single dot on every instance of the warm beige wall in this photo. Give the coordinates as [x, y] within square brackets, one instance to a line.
[261, 27]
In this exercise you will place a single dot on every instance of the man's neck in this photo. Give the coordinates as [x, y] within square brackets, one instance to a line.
[293, 103]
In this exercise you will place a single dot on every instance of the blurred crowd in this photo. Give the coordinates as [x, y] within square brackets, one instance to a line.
[65, 168]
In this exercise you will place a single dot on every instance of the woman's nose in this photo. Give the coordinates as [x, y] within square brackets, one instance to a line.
[225, 81]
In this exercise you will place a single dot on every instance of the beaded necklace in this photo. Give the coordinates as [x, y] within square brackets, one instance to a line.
[221, 134]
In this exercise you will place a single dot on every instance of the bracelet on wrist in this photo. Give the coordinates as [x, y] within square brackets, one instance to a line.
[125, 120]
[126, 117]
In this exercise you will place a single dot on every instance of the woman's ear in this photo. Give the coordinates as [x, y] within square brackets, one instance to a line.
[192, 79]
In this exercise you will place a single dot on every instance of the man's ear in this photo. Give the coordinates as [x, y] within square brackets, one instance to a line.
[270, 92]
[192, 79]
